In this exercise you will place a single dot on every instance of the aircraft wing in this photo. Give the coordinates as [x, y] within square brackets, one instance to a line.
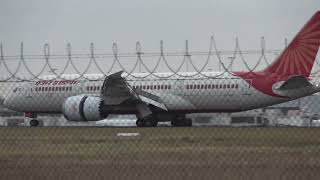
[116, 90]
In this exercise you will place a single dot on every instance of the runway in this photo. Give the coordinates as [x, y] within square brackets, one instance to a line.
[159, 153]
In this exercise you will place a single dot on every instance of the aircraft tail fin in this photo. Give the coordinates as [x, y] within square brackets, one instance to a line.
[298, 58]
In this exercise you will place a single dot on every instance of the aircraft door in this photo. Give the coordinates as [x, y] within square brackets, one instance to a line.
[245, 98]
[79, 87]
[26, 90]
[246, 87]
[178, 87]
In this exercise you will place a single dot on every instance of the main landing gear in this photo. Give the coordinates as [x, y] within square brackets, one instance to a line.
[147, 122]
[181, 121]
[176, 120]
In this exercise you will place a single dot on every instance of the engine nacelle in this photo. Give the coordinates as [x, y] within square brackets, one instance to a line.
[83, 108]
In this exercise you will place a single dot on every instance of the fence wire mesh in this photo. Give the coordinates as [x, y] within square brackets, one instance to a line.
[238, 132]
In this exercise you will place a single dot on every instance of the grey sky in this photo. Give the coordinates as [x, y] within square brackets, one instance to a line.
[125, 21]
[103, 22]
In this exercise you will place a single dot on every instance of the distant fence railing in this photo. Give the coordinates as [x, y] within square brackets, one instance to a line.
[24, 67]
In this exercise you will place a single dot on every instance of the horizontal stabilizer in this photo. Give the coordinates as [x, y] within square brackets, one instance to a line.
[295, 82]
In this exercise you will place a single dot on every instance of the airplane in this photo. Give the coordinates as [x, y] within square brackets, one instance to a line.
[168, 97]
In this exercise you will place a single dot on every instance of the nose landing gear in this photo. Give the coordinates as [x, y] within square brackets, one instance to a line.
[34, 123]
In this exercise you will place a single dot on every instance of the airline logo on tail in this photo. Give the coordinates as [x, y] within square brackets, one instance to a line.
[296, 60]
[301, 53]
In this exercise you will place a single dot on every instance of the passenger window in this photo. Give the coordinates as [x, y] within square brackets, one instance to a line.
[232, 86]
[187, 86]
[224, 86]
[205, 86]
[91, 88]
[236, 86]
[198, 86]
[165, 86]
[98, 88]
[202, 86]
[220, 86]
[190, 86]
[209, 86]
[228, 86]
[155, 87]
[194, 86]
[169, 86]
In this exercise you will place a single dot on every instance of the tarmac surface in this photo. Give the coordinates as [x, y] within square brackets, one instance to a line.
[159, 153]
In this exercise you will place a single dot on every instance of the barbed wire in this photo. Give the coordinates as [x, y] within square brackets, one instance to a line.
[115, 58]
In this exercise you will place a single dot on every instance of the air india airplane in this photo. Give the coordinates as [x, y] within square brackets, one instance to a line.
[168, 97]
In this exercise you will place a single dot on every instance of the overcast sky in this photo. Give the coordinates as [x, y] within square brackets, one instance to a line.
[126, 21]
[103, 22]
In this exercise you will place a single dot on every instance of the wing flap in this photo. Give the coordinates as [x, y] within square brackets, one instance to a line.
[153, 102]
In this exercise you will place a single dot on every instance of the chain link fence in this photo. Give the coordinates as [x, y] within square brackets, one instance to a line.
[236, 133]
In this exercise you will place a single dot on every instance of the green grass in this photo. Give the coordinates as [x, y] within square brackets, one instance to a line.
[160, 153]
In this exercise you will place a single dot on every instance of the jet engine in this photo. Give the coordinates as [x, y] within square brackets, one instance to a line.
[83, 108]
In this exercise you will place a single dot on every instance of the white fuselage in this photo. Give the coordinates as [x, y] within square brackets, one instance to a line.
[209, 92]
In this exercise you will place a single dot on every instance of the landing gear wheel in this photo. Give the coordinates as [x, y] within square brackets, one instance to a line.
[188, 122]
[181, 122]
[146, 123]
[34, 123]
[151, 123]
[140, 123]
